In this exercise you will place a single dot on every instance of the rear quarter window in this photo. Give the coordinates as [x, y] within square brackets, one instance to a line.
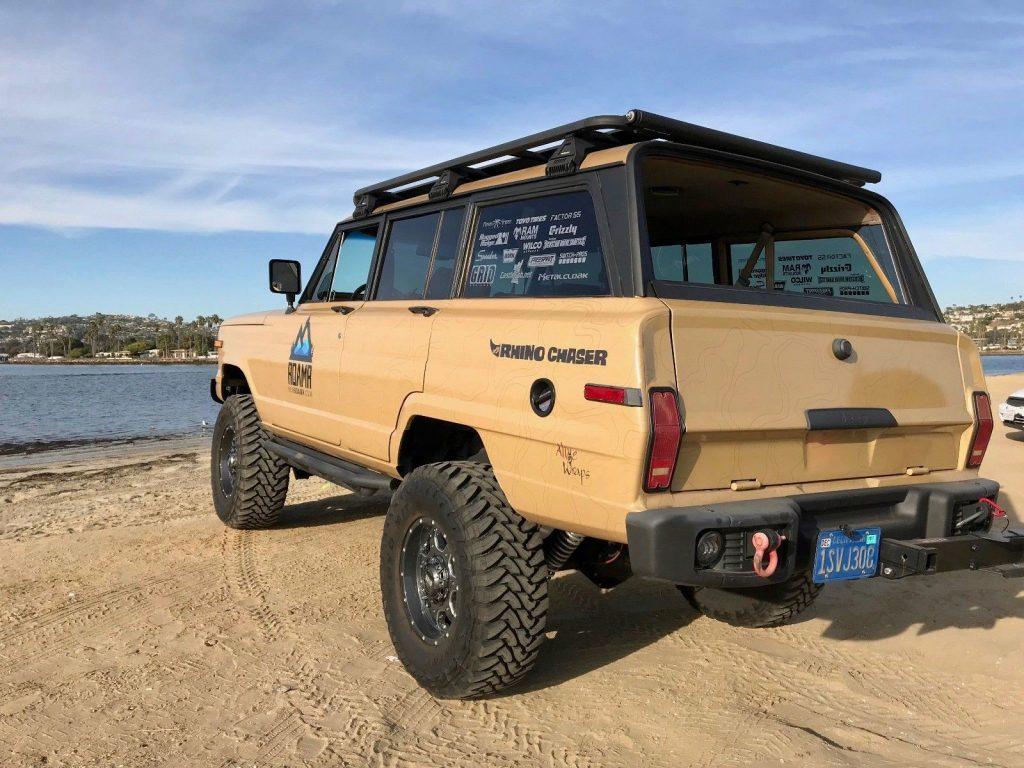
[541, 246]
[836, 266]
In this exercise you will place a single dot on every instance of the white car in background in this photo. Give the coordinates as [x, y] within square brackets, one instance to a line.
[1012, 411]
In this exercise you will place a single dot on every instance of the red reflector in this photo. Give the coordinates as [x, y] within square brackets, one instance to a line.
[983, 425]
[600, 393]
[666, 432]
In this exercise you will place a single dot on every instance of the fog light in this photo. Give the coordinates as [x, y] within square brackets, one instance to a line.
[710, 546]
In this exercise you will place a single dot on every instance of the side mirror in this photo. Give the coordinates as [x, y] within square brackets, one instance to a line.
[286, 278]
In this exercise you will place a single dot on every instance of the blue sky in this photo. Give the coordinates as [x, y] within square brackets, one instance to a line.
[154, 156]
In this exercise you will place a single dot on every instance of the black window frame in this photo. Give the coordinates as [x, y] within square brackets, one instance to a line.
[920, 301]
[332, 246]
[413, 212]
[532, 189]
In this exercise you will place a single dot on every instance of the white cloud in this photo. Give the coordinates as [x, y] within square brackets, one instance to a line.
[989, 234]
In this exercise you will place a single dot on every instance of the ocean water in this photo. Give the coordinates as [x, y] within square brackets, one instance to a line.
[1000, 365]
[45, 407]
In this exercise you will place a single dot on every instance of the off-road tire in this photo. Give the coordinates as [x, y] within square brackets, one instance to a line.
[502, 581]
[769, 606]
[261, 479]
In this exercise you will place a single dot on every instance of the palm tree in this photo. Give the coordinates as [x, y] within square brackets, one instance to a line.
[115, 334]
[94, 332]
[179, 326]
[200, 324]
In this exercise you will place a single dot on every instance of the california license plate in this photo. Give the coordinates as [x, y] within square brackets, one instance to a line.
[841, 557]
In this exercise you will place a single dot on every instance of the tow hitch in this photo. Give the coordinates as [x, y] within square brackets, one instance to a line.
[1000, 551]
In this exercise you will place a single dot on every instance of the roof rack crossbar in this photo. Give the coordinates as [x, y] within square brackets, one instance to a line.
[600, 132]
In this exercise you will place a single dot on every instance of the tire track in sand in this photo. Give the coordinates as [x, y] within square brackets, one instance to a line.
[398, 722]
[36, 638]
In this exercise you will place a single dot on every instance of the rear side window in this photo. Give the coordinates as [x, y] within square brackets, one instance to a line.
[543, 246]
[407, 257]
[837, 266]
[442, 271]
[686, 263]
[419, 260]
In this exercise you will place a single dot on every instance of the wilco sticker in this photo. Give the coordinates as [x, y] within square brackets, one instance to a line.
[300, 363]
[570, 355]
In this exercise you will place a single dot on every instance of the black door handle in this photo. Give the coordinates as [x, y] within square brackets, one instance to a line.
[342, 309]
[425, 311]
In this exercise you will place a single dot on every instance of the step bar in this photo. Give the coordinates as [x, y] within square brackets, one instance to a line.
[337, 471]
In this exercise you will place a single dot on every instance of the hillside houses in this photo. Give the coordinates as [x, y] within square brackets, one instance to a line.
[992, 326]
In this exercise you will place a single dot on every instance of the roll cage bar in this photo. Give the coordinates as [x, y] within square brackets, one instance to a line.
[562, 149]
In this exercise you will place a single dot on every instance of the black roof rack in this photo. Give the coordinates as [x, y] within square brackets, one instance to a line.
[562, 149]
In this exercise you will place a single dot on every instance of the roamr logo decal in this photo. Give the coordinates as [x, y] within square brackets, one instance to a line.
[570, 355]
[300, 364]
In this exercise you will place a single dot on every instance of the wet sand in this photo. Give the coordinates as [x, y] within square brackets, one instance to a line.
[138, 631]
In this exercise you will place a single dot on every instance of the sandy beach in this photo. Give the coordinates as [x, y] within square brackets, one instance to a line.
[138, 631]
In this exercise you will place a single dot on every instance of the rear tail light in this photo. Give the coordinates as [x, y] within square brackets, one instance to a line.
[983, 425]
[666, 434]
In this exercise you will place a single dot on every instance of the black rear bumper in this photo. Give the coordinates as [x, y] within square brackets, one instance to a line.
[662, 542]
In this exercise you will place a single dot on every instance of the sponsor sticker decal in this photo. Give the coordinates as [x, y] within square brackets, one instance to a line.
[482, 274]
[540, 353]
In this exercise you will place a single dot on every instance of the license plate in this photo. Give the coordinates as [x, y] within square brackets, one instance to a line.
[840, 557]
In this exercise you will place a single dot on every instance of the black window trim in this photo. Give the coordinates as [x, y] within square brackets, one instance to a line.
[321, 265]
[587, 183]
[921, 303]
[333, 244]
[459, 246]
[413, 212]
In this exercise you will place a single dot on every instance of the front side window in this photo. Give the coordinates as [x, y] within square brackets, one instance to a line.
[322, 290]
[353, 264]
[542, 246]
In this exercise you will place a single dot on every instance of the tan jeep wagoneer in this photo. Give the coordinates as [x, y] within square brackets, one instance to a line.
[627, 345]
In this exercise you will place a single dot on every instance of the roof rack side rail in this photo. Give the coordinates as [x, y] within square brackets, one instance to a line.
[709, 138]
[524, 149]
[575, 140]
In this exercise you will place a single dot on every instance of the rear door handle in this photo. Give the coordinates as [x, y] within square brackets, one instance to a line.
[342, 309]
[425, 311]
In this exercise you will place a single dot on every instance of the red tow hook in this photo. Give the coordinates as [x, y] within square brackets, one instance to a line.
[766, 542]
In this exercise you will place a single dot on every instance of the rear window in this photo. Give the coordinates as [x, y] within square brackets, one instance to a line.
[714, 225]
[543, 246]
